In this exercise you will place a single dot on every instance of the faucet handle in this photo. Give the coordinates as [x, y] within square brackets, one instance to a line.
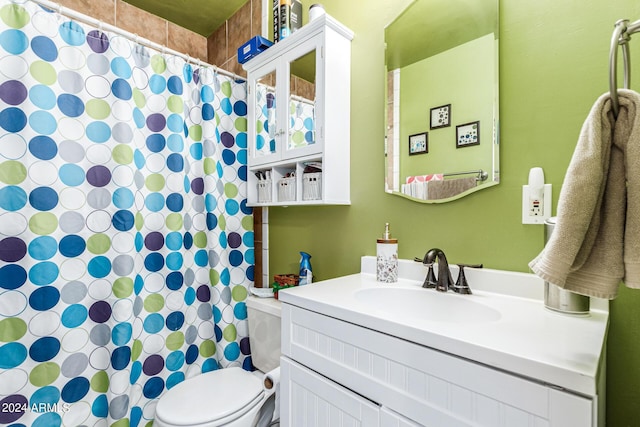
[471, 265]
[430, 281]
[461, 286]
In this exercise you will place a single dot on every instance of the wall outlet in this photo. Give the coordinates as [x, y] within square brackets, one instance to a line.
[536, 205]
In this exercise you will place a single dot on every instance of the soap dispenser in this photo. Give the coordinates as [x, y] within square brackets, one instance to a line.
[387, 257]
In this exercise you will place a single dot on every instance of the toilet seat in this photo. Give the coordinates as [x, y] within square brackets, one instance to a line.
[211, 399]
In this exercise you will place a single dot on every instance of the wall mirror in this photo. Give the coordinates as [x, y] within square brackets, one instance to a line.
[442, 122]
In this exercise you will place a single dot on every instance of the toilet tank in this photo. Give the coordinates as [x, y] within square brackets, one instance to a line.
[263, 315]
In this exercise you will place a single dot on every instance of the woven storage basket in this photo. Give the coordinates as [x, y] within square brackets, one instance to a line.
[312, 186]
[287, 189]
[264, 191]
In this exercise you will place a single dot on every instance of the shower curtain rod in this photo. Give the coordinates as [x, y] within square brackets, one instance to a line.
[621, 36]
[102, 26]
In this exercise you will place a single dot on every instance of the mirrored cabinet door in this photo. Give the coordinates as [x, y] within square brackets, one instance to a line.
[264, 145]
[301, 115]
[265, 114]
[284, 107]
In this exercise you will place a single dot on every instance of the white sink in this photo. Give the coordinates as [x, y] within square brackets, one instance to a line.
[427, 304]
[503, 324]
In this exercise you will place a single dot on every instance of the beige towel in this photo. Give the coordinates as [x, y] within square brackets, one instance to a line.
[449, 187]
[596, 241]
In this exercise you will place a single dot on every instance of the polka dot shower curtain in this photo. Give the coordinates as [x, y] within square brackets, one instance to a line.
[126, 247]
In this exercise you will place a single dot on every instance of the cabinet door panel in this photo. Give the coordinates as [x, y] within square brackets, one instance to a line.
[310, 400]
[569, 409]
[263, 100]
[266, 119]
[389, 418]
[302, 137]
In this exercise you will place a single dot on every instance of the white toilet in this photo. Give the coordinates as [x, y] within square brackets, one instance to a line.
[228, 397]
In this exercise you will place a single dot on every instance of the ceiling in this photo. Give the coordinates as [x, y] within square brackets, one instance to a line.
[200, 16]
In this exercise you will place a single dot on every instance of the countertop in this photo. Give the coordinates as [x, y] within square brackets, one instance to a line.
[528, 339]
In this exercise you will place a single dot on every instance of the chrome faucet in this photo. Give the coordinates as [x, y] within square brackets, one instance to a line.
[444, 282]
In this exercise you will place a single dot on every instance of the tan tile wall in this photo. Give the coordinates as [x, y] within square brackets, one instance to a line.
[145, 24]
[223, 44]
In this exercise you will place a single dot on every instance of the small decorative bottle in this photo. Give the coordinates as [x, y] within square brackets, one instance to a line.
[387, 258]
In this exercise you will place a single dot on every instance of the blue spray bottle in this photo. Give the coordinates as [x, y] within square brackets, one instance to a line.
[306, 276]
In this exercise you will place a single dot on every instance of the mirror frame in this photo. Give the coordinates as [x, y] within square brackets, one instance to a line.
[438, 26]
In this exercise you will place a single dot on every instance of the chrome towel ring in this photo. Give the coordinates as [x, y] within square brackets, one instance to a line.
[621, 36]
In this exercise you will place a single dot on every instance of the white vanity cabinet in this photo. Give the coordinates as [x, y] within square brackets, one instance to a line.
[299, 115]
[335, 373]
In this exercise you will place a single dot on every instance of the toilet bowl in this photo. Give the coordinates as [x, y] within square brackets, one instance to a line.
[226, 397]
[232, 396]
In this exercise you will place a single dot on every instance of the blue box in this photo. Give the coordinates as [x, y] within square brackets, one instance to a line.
[252, 48]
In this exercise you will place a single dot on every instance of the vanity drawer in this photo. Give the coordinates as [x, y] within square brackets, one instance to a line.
[311, 400]
[428, 386]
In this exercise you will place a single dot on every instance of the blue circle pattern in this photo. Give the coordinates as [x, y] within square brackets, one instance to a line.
[44, 261]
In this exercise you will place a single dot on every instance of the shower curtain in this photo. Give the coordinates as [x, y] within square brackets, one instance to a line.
[126, 246]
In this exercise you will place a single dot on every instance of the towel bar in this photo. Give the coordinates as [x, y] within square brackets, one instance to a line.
[482, 175]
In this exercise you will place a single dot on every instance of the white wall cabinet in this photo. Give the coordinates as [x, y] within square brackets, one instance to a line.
[327, 362]
[299, 115]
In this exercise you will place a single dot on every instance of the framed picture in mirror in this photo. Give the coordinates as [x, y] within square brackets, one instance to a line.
[440, 117]
[468, 134]
[418, 143]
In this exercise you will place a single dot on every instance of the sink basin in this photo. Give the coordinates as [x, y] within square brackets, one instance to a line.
[427, 304]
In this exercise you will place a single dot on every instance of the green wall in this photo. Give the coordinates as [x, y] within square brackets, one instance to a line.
[553, 66]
